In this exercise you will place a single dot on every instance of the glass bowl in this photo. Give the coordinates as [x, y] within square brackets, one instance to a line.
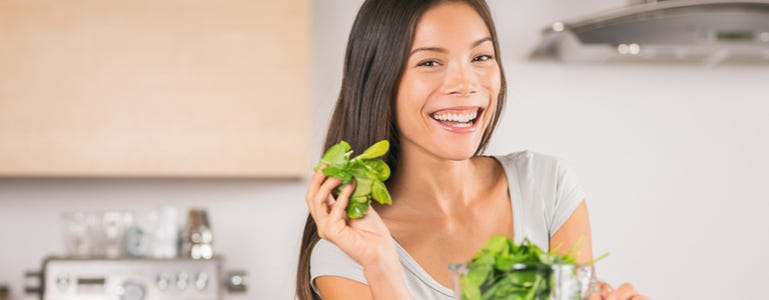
[529, 282]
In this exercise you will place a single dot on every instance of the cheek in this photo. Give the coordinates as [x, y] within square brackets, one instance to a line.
[413, 93]
[418, 86]
[491, 80]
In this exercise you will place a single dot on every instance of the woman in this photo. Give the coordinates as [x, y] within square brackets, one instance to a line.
[426, 76]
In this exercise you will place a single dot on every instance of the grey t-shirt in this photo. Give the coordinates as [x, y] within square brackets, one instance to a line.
[544, 193]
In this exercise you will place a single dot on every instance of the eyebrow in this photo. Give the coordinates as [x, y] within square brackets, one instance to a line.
[443, 50]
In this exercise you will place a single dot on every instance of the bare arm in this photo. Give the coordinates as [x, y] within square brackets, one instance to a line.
[576, 227]
[384, 284]
[333, 287]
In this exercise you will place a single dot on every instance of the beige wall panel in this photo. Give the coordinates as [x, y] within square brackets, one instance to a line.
[154, 88]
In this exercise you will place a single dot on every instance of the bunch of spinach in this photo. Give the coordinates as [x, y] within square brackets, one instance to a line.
[368, 171]
[505, 270]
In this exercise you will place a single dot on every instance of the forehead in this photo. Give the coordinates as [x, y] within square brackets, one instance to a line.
[449, 24]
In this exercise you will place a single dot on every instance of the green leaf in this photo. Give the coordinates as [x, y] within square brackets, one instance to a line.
[497, 245]
[376, 150]
[470, 290]
[483, 259]
[335, 156]
[595, 260]
[362, 186]
[356, 210]
[368, 172]
[338, 173]
[379, 192]
[346, 145]
[479, 273]
[534, 288]
[359, 170]
[492, 292]
[506, 263]
[378, 167]
[524, 277]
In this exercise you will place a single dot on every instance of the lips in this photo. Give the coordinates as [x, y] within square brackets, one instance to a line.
[458, 119]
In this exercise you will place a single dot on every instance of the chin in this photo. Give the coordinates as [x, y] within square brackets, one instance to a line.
[456, 152]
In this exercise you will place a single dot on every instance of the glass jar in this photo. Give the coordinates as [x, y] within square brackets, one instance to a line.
[529, 282]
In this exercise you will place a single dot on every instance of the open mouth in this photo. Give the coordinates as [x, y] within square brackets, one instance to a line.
[458, 118]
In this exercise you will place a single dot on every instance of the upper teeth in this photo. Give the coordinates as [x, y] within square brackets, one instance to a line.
[456, 117]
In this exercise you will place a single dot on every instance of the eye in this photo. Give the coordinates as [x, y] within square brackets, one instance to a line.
[483, 58]
[428, 63]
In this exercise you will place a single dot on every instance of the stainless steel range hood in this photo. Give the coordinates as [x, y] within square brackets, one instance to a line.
[678, 31]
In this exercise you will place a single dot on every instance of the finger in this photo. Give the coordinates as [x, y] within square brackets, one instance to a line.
[623, 292]
[604, 289]
[315, 182]
[338, 209]
[321, 197]
[594, 296]
[312, 190]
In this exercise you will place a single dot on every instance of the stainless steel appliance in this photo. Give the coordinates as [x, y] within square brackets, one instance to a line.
[130, 279]
[709, 32]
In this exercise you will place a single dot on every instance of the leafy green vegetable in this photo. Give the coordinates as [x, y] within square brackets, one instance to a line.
[376, 150]
[338, 173]
[505, 270]
[368, 171]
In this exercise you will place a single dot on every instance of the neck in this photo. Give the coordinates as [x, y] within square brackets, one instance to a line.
[429, 184]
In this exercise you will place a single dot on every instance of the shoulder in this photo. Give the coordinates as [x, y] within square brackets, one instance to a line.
[539, 169]
[546, 185]
[532, 164]
[327, 259]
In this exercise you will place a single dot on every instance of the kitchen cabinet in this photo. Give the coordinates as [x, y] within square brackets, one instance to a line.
[154, 88]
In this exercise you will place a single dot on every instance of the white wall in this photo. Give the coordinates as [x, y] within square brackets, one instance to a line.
[673, 159]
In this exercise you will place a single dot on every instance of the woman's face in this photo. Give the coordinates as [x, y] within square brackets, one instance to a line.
[450, 85]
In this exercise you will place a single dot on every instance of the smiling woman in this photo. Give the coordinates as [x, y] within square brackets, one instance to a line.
[426, 76]
[451, 79]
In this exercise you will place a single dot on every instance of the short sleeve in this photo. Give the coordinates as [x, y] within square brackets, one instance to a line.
[568, 195]
[328, 260]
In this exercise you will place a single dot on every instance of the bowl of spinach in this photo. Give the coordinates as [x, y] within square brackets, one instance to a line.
[503, 269]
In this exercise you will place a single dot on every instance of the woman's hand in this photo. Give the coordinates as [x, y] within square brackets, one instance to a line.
[626, 291]
[367, 240]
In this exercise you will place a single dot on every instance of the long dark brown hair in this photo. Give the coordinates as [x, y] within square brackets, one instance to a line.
[377, 51]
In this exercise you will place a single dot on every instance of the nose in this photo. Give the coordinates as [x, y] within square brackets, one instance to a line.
[460, 80]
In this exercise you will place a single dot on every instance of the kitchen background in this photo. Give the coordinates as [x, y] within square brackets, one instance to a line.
[673, 157]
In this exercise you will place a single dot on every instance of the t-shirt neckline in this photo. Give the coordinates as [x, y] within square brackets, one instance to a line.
[514, 194]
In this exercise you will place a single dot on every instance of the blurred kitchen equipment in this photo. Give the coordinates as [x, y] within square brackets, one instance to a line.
[119, 255]
[111, 235]
[5, 292]
[95, 233]
[77, 233]
[121, 233]
[165, 236]
[129, 279]
[197, 240]
[33, 282]
[235, 281]
[66, 278]
[690, 31]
